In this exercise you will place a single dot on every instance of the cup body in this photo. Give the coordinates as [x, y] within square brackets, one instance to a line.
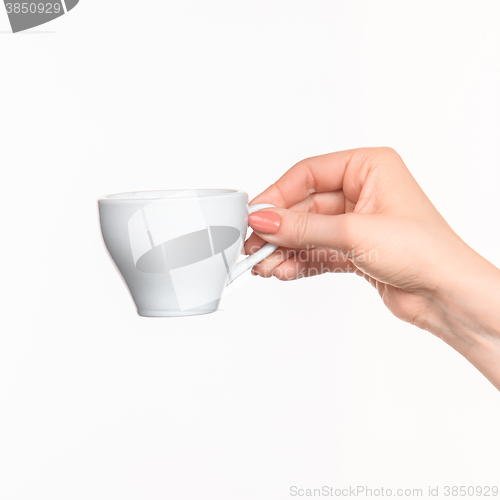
[175, 249]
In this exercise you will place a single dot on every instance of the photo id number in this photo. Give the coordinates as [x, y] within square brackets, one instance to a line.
[33, 8]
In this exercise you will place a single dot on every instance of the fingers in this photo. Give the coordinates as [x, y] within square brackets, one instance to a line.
[296, 268]
[287, 228]
[253, 243]
[266, 267]
[322, 203]
[331, 172]
[331, 203]
[286, 264]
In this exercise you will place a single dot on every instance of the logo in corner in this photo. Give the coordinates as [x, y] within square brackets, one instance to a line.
[26, 15]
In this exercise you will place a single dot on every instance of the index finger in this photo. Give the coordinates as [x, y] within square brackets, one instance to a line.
[317, 174]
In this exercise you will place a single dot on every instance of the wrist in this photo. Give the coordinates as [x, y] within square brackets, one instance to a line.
[464, 312]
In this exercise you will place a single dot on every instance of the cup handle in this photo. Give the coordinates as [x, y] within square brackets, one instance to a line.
[259, 255]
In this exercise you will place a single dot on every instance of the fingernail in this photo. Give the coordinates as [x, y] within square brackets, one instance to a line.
[265, 222]
[255, 273]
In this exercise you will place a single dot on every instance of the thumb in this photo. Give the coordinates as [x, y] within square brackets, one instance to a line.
[292, 229]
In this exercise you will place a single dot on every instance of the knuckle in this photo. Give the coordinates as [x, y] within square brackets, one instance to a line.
[379, 154]
[386, 153]
[383, 159]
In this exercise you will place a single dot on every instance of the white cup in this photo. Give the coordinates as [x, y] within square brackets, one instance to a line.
[177, 249]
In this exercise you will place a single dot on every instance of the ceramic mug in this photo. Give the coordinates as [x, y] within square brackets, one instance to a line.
[177, 250]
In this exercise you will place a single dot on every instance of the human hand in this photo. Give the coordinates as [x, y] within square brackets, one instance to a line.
[362, 211]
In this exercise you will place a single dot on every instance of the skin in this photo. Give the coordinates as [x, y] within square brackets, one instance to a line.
[361, 211]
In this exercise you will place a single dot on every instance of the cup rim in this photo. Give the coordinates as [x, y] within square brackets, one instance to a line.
[170, 194]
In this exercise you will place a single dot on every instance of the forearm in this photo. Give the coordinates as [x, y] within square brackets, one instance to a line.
[465, 313]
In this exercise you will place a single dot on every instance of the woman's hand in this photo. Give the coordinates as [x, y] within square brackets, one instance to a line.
[362, 211]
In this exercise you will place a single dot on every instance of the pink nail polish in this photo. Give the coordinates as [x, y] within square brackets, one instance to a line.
[264, 222]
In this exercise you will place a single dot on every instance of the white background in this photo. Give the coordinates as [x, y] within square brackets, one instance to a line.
[308, 383]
